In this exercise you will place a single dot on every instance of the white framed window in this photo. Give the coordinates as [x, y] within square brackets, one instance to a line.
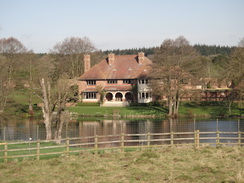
[91, 82]
[143, 81]
[145, 95]
[90, 95]
[127, 81]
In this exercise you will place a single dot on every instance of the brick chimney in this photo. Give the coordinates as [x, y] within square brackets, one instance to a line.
[141, 57]
[87, 62]
[111, 58]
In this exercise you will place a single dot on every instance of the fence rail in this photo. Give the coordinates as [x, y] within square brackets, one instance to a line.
[39, 148]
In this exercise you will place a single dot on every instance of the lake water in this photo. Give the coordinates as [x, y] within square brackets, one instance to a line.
[35, 129]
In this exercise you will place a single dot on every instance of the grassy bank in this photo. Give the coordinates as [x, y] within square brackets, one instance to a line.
[186, 109]
[208, 164]
[122, 111]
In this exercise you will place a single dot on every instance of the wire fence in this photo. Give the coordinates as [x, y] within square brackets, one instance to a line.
[123, 142]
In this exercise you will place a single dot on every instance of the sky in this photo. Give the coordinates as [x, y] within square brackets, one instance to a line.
[121, 24]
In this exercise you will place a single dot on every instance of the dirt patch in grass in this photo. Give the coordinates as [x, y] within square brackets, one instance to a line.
[207, 164]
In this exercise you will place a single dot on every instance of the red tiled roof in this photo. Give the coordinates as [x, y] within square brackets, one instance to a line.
[123, 67]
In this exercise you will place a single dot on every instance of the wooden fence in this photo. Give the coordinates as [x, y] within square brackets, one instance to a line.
[95, 144]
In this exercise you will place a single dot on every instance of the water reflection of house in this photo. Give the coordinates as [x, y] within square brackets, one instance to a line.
[102, 128]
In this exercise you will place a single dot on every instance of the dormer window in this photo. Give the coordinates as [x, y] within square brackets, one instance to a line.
[112, 81]
[91, 82]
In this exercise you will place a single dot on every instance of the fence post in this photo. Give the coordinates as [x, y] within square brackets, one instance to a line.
[95, 144]
[217, 139]
[122, 142]
[5, 152]
[197, 139]
[172, 138]
[67, 146]
[38, 150]
[148, 139]
[37, 132]
[4, 133]
[66, 129]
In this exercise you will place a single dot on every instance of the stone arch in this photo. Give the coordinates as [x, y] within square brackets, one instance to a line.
[118, 96]
[129, 97]
[109, 96]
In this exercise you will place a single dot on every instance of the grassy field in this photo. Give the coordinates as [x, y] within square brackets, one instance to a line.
[207, 164]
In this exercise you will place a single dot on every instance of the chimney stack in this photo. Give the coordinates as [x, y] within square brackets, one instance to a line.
[141, 57]
[87, 62]
[111, 58]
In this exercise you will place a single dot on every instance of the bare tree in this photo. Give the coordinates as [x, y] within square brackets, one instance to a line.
[54, 99]
[175, 64]
[11, 52]
[235, 72]
[47, 108]
[70, 52]
[236, 64]
[4, 88]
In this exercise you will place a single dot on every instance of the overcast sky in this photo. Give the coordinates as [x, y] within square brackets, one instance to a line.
[113, 24]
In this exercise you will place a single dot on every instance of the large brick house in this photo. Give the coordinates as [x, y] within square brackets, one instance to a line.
[123, 78]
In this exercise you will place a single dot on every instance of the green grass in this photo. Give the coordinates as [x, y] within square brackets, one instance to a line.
[108, 111]
[184, 164]
[21, 97]
[192, 109]
[24, 148]
[186, 109]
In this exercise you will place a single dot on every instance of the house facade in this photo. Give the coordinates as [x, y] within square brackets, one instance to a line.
[121, 79]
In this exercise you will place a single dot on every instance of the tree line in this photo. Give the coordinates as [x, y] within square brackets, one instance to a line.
[203, 49]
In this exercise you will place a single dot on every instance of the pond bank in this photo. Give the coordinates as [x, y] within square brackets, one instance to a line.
[152, 111]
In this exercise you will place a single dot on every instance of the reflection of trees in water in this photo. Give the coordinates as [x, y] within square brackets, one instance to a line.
[20, 129]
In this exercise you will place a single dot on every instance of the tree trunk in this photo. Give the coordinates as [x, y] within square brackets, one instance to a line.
[177, 106]
[59, 126]
[48, 127]
[61, 119]
[177, 102]
[174, 106]
[31, 111]
[170, 107]
[62, 116]
[46, 109]
[229, 107]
